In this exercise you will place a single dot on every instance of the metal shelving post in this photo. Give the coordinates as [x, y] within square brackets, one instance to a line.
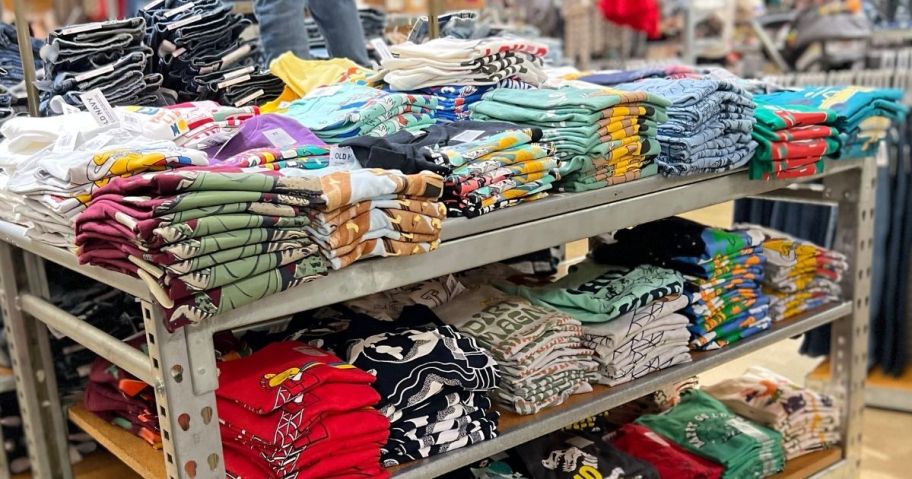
[181, 365]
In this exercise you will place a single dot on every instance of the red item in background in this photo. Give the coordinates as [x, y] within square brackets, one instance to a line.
[641, 15]
[668, 458]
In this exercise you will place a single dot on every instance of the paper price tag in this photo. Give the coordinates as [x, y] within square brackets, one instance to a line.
[65, 143]
[151, 5]
[249, 98]
[342, 156]
[237, 73]
[279, 138]
[96, 103]
[181, 23]
[381, 48]
[175, 11]
[94, 73]
[85, 27]
[233, 81]
[467, 136]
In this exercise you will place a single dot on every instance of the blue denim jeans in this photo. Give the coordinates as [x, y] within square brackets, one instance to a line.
[282, 28]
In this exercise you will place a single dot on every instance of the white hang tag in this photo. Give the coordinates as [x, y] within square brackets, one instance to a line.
[181, 23]
[279, 138]
[85, 27]
[381, 48]
[342, 156]
[237, 73]
[96, 103]
[175, 11]
[467, 136]
[151, 5]
[94, 73]
[233, 81]
[249, 98]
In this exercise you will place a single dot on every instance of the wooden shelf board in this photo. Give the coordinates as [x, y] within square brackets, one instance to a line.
[100, 464]
[146, 461]
[810, 464]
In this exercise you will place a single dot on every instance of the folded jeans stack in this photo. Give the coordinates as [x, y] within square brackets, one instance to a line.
[723, 270]
[236, 86]
[345, 111]
[295, 411]
[704, 426]
[602, 136]
[109, 56]
[541, 356]
[799, 275]
[12, 97]
[807, 420]
[709, 124]
[863, 115]
[792, 140]
[194, 39]
[453, 61]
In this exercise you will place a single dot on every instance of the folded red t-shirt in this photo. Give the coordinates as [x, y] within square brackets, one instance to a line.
[668, 458]
[243, 463]
[275, 375]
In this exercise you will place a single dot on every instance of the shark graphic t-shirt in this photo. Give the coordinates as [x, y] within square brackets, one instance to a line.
[565, 455]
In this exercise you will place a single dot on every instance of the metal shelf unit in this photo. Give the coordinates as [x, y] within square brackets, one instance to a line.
[181, 365]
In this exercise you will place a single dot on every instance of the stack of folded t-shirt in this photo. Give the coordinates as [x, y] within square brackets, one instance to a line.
[792, 140]
[807, 420]
[454, 102]
[709, 124]
[340, 112]
[863, 115]
[669, 459]
[570, 455]
[433, 380]
[210, 241]
[598, 296]
[194, 40]
[301, 76]
[541, 355]
[602, 136]
[488, 165]
[452, 61]
[294, 411]
[723, 270]
[108, 56]
[705, 427]
[799, 275]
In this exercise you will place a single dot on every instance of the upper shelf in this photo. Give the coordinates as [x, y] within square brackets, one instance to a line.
[469, 243]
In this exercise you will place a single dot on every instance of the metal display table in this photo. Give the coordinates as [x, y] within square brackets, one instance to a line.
[181, 365]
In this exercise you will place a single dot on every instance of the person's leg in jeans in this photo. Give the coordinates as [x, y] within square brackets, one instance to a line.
[282, 27]
[339, 22]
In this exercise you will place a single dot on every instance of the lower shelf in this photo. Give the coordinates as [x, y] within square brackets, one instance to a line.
[515, 429]
[100, 464]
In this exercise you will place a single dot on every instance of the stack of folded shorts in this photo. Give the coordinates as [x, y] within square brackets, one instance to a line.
[294, 411]
[723, 272]
[195, 38]
[119, 398]
[635, 344]
[340, 112]
[433, 381]
[807, 420]
[540, 353]
[488, 165]
[57, 185]
[238, 86]
[703, 426]
[210, 241]
[12, 92]
[602, 136]
[863, 115]
[799, 276]
[453, 61]
[709, 124]
[108, 56]
[454, 102]
[669, 459]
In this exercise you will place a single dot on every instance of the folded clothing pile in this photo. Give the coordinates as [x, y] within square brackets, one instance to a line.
[807, 420]
[235, 86]
[541, 355]
[611, 78]
[863, 115]
[207, 242]
[642, 341]
[723, 271]
[192, 39]
[602, 136]
[792, 140]
[109, 56]
[488, 165]
[340, 112]
[669, 459]
[799, 275]
[453, 61]
[705, 427]
[119, 398]
[709, 124]
[569, 455]
[12, 91]
[295, 411]
[301, 76]
[57, 185]
[433, 380]
[454, 102]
